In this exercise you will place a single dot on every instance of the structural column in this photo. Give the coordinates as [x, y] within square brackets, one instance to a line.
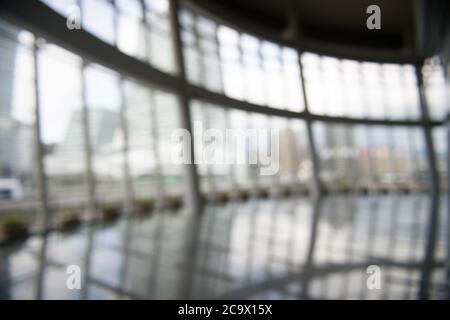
[89, 170]
[193, 197]
[44, 207]
[296, 38]
[448, 209]
[432, 228]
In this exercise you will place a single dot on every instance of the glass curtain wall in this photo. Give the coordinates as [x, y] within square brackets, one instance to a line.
[106, 141]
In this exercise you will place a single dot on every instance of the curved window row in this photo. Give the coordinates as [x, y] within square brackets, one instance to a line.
[266, 120]
[130, 128]
[118, 139]
[138, 28]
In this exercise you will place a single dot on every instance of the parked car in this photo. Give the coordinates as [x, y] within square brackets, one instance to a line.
[10, 189]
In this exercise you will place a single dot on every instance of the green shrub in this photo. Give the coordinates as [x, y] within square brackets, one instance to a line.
[144, 206]
[173, 203]
[110, 213]
[13, 228]
[69, 220]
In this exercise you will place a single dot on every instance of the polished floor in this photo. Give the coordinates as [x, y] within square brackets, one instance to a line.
[257, 249]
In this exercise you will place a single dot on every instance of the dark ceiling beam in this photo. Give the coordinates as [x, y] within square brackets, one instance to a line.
[223, 101]
[373, 48]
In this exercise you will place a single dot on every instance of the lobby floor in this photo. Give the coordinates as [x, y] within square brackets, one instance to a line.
[254, 249]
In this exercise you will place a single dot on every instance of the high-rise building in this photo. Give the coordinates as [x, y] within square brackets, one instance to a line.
[16, 147]
[102, 128]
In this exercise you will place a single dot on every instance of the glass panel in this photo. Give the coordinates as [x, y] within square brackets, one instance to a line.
[240, 65]
[437, 89]
[151, 117]
[18, 186]
[131, 30]
[98, 18]
[62, 127]
[105, 133]
[375, 157]
[360, 89]
[63, 7]
[252, 152]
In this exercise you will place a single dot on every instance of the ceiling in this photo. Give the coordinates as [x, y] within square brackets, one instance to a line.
[331, 26]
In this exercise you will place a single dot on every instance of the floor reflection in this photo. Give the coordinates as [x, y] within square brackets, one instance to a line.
[257, 249]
